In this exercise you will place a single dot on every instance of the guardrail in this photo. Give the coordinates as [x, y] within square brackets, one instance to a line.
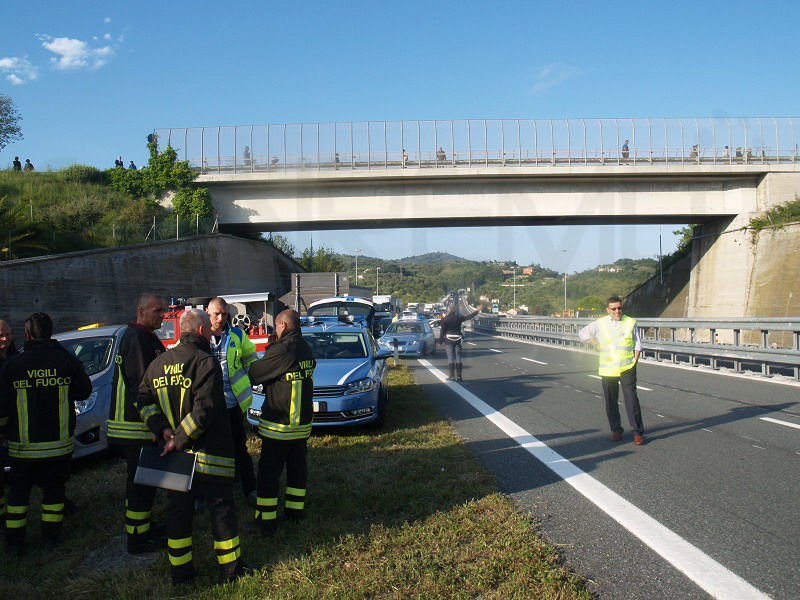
[764, 345]
[485, 142]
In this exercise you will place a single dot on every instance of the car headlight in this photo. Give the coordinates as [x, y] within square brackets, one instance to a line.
[359, 386]
[82, 406]
[413, 343]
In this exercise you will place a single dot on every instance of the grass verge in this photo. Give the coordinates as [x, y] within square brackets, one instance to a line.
[406, 512]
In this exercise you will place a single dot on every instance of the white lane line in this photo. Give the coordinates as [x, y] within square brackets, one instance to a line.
[641, 387]
[658, 415]
[472, 343]
[538, 362]
[708, 430]
[498, 351]
[779, 422]
[595, 376]
[687, 558]
[759, 447]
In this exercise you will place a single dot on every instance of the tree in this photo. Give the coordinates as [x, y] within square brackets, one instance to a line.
[9, 122]
[282, 244]
[16, 240]
[190, 202]
[324, 260]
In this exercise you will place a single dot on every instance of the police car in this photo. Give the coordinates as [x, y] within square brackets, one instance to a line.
[351, 377]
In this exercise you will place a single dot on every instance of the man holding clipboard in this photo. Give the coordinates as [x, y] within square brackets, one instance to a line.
[181, 400]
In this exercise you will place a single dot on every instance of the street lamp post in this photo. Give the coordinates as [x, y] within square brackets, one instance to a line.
[565, 282]
[515, 287]
[377, 281]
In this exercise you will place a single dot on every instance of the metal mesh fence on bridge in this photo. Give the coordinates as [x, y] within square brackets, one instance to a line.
[485, 142]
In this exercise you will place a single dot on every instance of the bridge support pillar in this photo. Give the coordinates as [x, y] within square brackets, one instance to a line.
[728, 264]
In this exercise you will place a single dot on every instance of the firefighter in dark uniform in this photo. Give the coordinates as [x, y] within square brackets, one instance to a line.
[137, 349]
[286, 370]
[38, 390]
[450, 334]
[181, 399]
[7, 349]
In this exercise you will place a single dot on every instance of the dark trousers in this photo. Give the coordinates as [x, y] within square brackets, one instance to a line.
[3, 464]
[51, 476]
[453, 353]
[244, 462]
[611, 387]
[138, 499]
[224, 529]
[275, 454]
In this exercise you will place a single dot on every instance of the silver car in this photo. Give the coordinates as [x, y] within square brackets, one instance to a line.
[95, 347]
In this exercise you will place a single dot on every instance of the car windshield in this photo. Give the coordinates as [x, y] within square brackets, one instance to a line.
[332, 345]
[412, 327]
[340, 309]
[94, 352]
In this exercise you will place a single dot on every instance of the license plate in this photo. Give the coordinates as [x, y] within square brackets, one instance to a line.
[320, 407]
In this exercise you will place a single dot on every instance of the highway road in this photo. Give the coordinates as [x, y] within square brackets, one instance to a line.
[707, 508]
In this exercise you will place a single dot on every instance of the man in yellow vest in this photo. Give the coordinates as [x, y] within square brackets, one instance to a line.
[619, 342]
[235, 352]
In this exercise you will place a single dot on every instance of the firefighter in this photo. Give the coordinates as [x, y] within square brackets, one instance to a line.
[38, 390]
[450, 334]
[235, 352]
[137, 349]
[7, 349]
[182, 401]
[286, 370]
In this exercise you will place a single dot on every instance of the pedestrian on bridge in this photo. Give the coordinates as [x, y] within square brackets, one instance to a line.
[619, 342]
[450, 334]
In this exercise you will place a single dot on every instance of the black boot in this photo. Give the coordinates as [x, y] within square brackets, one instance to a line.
[452, 375]
[458, 372]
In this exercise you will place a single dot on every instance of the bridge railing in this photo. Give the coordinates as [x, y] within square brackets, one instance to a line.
[485, 142]
[763, 345]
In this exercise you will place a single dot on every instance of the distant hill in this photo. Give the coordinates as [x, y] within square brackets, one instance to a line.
[433, 258]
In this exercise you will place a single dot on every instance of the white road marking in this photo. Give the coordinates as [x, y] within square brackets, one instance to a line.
[538, 362]
[595, 376]
[472, 343]
[707, 573]
[708, 430]
[759, 447]
[795, 425]
[658, 415]
[641, 387]
[498, 351]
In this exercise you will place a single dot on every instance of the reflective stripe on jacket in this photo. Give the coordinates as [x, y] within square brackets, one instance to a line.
[616, 346]
[240, 353]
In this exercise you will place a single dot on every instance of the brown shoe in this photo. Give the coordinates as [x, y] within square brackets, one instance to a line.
[638, 440]
[616, 436]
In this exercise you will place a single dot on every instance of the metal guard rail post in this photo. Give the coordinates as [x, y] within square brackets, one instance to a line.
[700, 341]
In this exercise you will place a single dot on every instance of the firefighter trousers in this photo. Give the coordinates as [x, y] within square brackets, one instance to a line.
[224, 529]
[3, 463]
[51, 476]
[275, 454]
[138, 499]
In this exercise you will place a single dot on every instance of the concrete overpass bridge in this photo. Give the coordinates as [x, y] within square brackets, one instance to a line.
[716, 172]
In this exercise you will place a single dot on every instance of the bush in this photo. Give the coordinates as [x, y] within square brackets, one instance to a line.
[81, 174]
[188, 203]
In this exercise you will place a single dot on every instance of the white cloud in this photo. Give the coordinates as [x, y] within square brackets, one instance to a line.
[107, 36]
[551, 75]
[75, 54]
[107, 20]
[19, 69]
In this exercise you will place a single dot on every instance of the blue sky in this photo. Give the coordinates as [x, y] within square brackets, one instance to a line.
[91, 79]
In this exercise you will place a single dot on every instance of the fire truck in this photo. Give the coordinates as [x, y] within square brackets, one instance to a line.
[252, 313]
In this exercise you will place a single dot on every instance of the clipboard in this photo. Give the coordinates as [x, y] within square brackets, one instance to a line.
[174, 471]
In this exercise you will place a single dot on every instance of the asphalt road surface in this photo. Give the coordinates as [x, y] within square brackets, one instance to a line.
[708, 508]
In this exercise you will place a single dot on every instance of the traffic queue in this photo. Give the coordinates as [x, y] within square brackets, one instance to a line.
[170, 408]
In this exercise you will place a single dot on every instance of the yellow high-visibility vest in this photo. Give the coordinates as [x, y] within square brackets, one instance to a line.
[616, 346]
